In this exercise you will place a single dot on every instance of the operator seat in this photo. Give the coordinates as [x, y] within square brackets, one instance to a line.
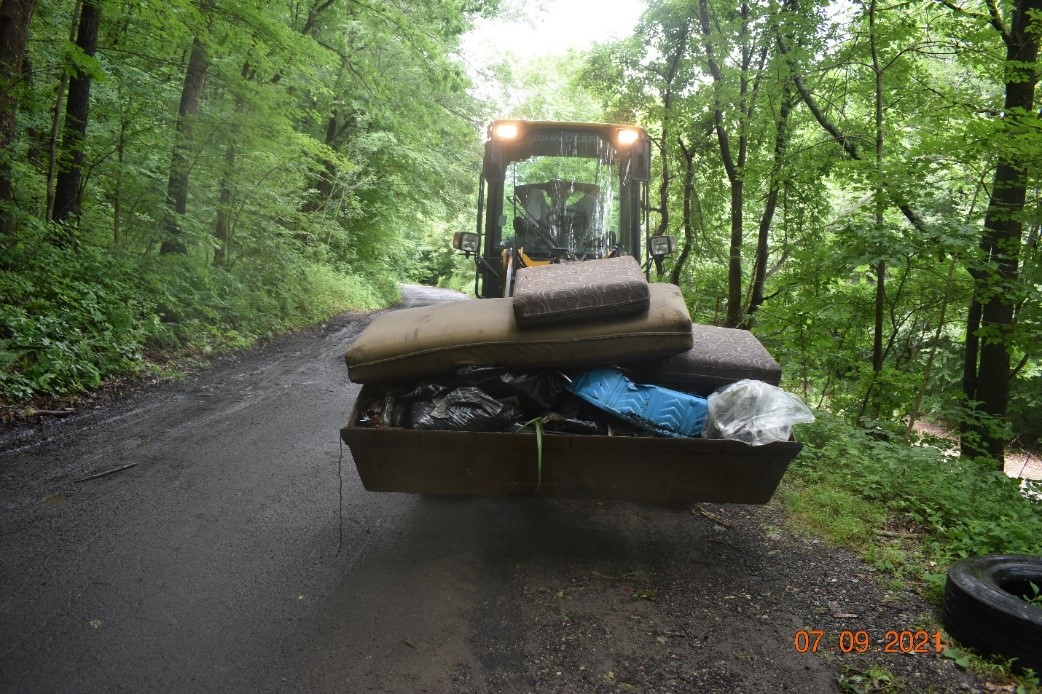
[583, 215]
[537, 214]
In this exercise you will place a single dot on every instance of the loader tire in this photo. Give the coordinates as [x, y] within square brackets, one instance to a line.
[984, 607]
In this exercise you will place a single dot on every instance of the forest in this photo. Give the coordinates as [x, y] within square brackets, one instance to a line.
[856, 182]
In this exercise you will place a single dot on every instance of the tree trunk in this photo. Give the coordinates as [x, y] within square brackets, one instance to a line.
[323, 182]
[663, 150]
[669, 78]
[222, 228]
[14, 34]
[313, 14]
[180, 160]
[880, 205]
[689, 194]
[56, 120]
[781, 141]
[880, 210]
[67, 194]
[117, 201]
[734, 257]
[734, 167]
[987, 385]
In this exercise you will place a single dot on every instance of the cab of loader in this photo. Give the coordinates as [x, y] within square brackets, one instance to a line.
[553, 192]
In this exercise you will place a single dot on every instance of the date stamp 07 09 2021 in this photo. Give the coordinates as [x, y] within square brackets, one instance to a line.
[861, 641]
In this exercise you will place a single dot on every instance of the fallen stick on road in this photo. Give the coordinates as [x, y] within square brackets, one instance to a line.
[106, 472]
[717, 519]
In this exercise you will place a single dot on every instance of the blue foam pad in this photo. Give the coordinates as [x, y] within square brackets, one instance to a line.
[661, 410]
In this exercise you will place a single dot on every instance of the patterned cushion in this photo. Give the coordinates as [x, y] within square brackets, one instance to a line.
[566, 292]
[719, 356]
[430, 340]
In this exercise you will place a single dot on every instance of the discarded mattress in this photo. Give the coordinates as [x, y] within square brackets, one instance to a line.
[564, 292]
[430, 340]
[718, 356]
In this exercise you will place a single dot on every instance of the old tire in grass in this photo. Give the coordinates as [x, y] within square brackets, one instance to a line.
[984, 607]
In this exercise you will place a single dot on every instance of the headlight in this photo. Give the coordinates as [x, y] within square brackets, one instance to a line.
[627, 137]
[504, 131]
[466, 242]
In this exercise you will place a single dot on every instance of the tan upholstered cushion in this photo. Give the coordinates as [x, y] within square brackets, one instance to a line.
[564, 292]
[718, 356]
[420, 342]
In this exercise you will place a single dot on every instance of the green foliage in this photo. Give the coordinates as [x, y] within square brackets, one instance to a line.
[995, 668]
[956, 508]
[69, 320]
[436, 263]
[843, 205]
[335, 151]
[839, 515]
[74, 317]
[550, 87]
[1035, 598]
[872, 680]
[329, 146]
[1026, 406]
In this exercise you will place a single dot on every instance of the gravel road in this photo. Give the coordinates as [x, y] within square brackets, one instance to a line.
[208, 559]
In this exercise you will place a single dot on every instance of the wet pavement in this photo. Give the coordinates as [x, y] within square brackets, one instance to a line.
[212, 535]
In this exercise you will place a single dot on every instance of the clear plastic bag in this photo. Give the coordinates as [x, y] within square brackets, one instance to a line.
[754, 412]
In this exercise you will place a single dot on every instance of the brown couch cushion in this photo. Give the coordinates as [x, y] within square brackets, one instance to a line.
[429, 340]
[565, 292]
[718, 356]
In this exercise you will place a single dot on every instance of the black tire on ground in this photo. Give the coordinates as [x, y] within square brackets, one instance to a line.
[983, 607]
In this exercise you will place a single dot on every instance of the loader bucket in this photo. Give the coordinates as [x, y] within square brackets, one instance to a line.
[634, 468]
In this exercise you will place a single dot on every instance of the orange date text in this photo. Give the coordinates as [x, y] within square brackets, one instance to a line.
[861, 641]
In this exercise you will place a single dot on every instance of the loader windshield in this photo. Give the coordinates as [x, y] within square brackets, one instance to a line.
[563, 203]
[560, 191]
[574, 213]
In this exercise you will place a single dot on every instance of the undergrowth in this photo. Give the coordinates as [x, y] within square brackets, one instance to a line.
[907, 509]
[71, 318]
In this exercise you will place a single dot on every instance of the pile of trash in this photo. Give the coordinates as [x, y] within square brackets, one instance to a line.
[598, 402]
[586, 348]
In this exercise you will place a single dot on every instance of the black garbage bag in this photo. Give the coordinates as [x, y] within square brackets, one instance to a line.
[555, 423]
[487, 378]
[581, 416]
[400, 415]
[537, 391]
[464, 409]
[387, 415]
[425, 390]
